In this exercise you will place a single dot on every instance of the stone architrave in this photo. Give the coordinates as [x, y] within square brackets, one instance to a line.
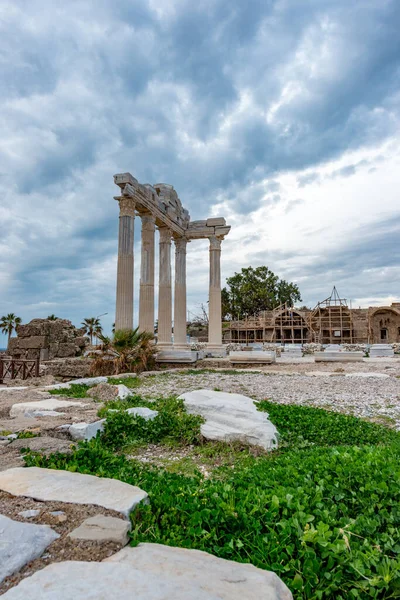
[165, 290]
[124, 309]
[214, 307]
[146, 298]
[180, 341]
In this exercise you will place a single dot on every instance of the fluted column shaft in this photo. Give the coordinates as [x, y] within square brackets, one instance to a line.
[214, 306]
[124, 308]
[180, 293]
[146, 296]
[165, 290]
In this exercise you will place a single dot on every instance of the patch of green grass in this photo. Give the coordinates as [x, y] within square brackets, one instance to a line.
[5, 432]
[322, 512]
[301, 426]
[130, 382]
[76, 390]
[173, 424]
[25, 435]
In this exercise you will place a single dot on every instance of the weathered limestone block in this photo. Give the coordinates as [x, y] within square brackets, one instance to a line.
[102, 529]
[263, 357]
[103, 392]
[338, 356]
[35, 341]
[20, 543]
[86, 431]
[48, 485]
[231, 417]
[81, 341]
[71, 367]
[13, 344]
[66, 350]
[49, 404]
[152, 571]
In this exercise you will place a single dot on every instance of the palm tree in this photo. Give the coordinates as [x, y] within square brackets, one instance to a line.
[52, 318]
[92, 327]
[8, 324]
[128, 350]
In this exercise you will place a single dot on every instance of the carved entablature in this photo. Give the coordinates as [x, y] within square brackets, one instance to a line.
[162, 201]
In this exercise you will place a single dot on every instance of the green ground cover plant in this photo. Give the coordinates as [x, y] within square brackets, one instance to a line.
[75, 390]
[322, 511]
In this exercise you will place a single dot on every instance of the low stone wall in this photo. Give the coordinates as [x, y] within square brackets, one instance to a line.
[47, 339]
[69, 367]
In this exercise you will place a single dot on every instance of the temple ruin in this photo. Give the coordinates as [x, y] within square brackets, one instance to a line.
[332, 321]
[159, 207]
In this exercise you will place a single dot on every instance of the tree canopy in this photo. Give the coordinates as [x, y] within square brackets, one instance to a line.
[8, 323]
[254, 290]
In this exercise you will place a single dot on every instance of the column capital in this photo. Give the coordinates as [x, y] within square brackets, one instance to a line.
[148, 221]
[215, 242]
[180, 244]
[165, 235]
[126, 206]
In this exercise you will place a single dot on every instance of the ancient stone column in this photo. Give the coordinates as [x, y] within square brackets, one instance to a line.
[165, 291]
[124, 308]
[146, 296]
[180, 294]
[214, 306]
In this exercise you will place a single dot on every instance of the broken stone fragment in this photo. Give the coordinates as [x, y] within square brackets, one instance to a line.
[103, 392]
[85, 431]
[48, 485]
[21, 543]
[102, 529]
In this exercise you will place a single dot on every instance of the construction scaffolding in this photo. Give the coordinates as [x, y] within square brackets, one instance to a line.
[331, 321]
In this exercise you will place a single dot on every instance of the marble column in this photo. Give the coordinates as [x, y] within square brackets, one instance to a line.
[214, 306]
[146, 296]
[165, 290]
[180, 294]
[124, 308]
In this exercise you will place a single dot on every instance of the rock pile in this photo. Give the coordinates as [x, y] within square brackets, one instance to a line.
[46, 339]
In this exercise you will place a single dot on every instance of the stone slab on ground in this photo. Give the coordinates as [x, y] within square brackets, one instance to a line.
[20, 543]
[89, 381]
[123, 392]
[86, 431]
[254, 356]
[177, 356]
[152, 571]
[64, 486]
[49, 404]
[102, 529]
[140, 411]
[338, 356]
[368, 375]
[231, 417]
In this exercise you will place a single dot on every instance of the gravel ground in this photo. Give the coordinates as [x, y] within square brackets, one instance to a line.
[372, 398]
[63, 548]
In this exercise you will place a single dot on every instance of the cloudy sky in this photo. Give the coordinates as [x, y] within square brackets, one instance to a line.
[281, 115]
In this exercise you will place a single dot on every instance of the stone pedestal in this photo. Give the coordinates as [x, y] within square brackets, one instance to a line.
[165, 291]
[214, 307]
[124, 308]
[146, 297]
[180, 342]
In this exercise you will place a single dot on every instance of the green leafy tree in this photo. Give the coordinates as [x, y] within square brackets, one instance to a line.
[92, 328]
[8, 323]
[52, 318]
[254, 290]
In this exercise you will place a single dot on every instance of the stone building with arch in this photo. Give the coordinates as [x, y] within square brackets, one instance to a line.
[332, 321]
